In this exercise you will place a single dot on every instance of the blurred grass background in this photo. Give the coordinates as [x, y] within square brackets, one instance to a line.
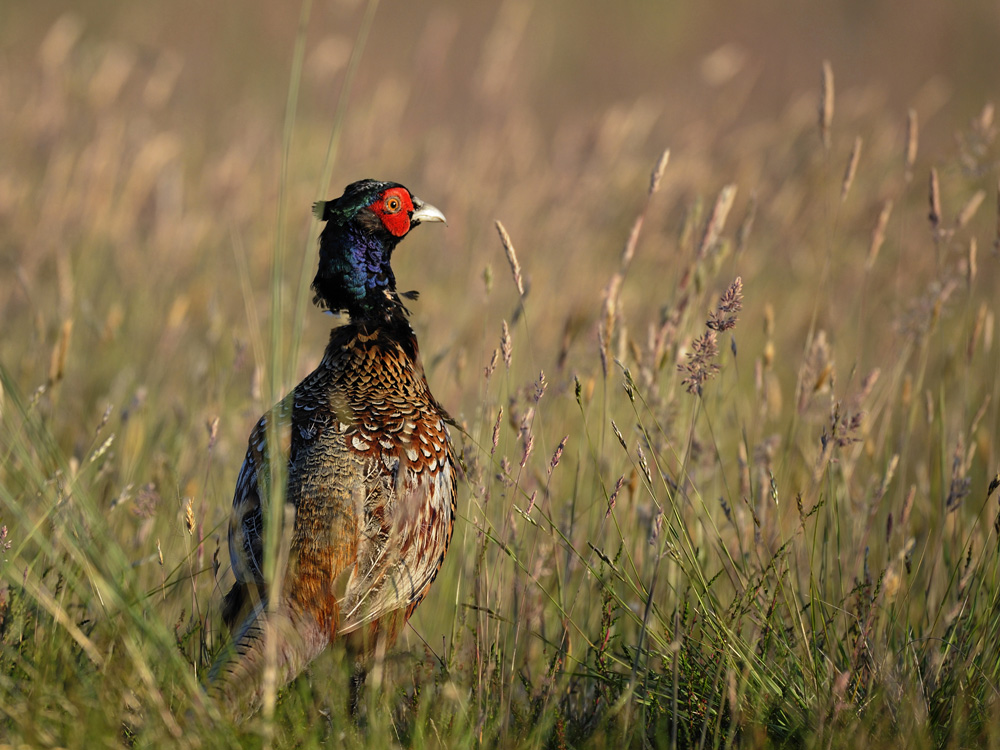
[154, 199]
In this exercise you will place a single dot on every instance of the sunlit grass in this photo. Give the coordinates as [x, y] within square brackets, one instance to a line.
[674, 527]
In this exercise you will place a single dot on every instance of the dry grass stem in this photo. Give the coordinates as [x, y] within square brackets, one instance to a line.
[969, 209]
[488, 370]
[912, 138]
[867, 385]
[826, 104]
[972, 264]
[613, 497]
[506, 345]
[657, 174]
[980, 413]
[935, 202]
[970, 351]
[816, 372]
[628, 252]
[189, 516]
[984, 123]
[618, 434]
[557, 455]
[890, 472]
[717, 220]
[496, 430]
[57, 362]
[610, 312]
[212, 427]
[529, 445]
[878, 233]
[746, 226]
[515, 267]
[852, 168]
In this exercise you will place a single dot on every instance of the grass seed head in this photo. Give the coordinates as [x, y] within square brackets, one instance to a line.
[969, 209]
[912, 137]
[851, 170]
[496, 430]
[529, 445]
[717, 220]
[515, 267]
[557, 455]
[506, 345]
[612, 499]
[488, 370]
[189, 515]
[878, 233]
[935, 201]
[700, 368]
[724, 318]
[657, 176]
[826, 101]
[540, 385]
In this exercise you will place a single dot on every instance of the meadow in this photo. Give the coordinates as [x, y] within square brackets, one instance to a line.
[725, 379]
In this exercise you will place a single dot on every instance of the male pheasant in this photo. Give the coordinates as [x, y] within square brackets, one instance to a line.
[371, 469]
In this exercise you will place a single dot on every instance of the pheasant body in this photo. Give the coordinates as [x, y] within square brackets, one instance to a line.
[371, 473]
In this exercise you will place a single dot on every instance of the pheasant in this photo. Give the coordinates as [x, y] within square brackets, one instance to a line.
[371, 472]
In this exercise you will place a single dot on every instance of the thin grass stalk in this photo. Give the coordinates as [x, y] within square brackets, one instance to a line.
[851, 169]
[329, 162]
[826, 103]
[281, 373]
[912, 138]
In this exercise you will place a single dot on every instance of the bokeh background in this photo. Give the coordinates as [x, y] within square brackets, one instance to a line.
[142, 143]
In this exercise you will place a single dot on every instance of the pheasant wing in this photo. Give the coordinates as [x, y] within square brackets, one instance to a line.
[409, 516]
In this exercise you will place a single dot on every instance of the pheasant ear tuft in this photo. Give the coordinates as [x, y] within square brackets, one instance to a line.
[320, 210]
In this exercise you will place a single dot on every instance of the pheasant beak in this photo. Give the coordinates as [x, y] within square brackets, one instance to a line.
[425, 212]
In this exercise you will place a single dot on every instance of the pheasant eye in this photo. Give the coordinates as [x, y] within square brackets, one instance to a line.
[392, 204]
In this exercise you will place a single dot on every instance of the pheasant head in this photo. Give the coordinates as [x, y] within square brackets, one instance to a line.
[363, 227]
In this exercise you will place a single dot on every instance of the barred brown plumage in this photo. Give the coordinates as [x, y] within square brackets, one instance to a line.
[372, 475]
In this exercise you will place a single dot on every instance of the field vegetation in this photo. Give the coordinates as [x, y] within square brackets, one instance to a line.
[725, 375]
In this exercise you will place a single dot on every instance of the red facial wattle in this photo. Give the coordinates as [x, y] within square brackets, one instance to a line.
[394, 208]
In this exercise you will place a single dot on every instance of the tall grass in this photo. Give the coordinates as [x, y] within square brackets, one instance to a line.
[727, 418]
